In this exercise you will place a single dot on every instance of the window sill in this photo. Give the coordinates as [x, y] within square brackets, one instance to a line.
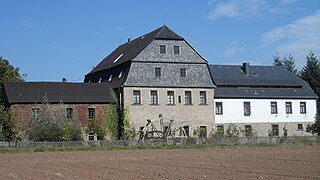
[136, 104]
[219, 114]
[203, 104]
[188, 104]
[170, 104]
[154, 104]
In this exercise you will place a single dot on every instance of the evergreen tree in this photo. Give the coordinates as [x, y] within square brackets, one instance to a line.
[287, 63]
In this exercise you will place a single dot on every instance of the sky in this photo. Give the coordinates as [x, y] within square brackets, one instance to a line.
[50, 40]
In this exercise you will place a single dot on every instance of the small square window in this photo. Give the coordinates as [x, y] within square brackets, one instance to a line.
[186, 130]
[183, 72]
[35, 112]
[203, 97]
[203, 131]
[170, 95]
[274, 108]
[136, 97]
[91, 136]
[288, 108]
[69, 113]
[300, 127]
[154, 97]
[163, 49]
[91, 113]
[275, 130]
[303, 108]
[248, 130]
[246, 108]
[157, 72]
[188, 97]
[219, 109]
[176, 49]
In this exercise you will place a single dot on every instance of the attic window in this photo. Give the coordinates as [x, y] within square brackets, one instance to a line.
[163, 49]
[100, 79]
[120, 74]
[110, 77]
[117, 58]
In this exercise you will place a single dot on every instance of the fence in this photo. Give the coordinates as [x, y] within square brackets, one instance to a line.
[173, 141]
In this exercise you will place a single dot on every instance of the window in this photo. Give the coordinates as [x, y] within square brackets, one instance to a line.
[183, 72]
[288, 108]
[246, 108]
[118, 58]
[303, 108]
[157, 72]
[154, 97]
[186, 129]
[203, 97]
[275, 130]
[91, 136]
[100, 79]
[163, 49]
[203, 131]
[188, 98]
[35, 112]
[220, 129]
[219, 110]
[110, 77]
[120, 74]
[69, 113]
[300, 127]
[91, 113]
[179, 99]
[176, 50]
[274, 108]
[170, 95]
[248, 130]
[136, 97]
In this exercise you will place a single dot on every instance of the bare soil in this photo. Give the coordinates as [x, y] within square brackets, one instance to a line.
[291, 162]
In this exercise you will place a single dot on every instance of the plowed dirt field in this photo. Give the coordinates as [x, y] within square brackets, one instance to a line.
[291, 162]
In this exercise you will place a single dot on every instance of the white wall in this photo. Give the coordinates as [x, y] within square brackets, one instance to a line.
[261, 111]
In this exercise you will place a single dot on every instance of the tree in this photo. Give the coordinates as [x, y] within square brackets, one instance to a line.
[315, 128]
[8, 127]
[8, 72]
[287, 63]
[51, 124]
[111, 123]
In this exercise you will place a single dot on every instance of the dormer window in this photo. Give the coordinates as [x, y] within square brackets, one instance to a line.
[100, 79]
[120, 74]
[176, 49]
[110, 77]
[118, 58]
[163, 49]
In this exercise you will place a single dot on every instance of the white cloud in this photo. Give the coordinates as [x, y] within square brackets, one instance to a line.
[234, 49]
[297, 38]
[244, 9]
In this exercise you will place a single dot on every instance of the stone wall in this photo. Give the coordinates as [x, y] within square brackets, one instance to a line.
[194, 115]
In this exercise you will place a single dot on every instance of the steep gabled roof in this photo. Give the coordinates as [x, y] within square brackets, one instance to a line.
[259, 82]
[58, 92]
[130, 50]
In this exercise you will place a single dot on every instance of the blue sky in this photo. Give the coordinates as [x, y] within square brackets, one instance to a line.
[51, 40]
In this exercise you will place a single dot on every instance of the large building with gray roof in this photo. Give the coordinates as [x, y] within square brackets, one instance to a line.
[267, 99]
[160, 74]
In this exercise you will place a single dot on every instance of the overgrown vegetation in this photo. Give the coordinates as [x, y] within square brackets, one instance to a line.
[111, 122]
[49, 123]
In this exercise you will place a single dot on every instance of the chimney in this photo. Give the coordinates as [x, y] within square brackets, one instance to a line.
[246, 68]
[129, 40]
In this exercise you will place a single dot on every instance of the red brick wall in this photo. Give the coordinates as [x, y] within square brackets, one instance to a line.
[23, 112]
